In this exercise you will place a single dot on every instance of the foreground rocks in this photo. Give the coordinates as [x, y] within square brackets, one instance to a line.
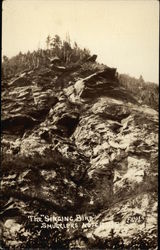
[77, 146]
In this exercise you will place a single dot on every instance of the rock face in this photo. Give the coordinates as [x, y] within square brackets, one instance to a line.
[80, 148]
[92, 58]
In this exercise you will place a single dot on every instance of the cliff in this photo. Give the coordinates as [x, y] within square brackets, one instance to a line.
[78, 148]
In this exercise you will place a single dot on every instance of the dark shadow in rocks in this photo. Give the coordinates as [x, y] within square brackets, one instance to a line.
[39, 114]
[18, 124]
[68, 124]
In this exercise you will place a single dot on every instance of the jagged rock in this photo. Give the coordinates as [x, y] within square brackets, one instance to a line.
[58, 68]
[20, 81]
[92, 58]
[97, 84]
[27, 101]
[111, 110]
[46, 73]
[65, 118]
[55, 60]
[65, 69]
[78, 146]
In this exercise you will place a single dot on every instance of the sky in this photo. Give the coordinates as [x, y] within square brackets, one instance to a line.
[123, 33]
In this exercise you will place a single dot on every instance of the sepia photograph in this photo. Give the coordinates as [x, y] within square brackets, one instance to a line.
[79, 125]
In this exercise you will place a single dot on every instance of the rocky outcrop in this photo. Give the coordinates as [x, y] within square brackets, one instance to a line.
[20, 81]
[79, 147]
[102, 83]
[25, 106]
[55, 60]
[92, 58]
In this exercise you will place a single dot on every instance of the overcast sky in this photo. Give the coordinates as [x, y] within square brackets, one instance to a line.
[124, 34]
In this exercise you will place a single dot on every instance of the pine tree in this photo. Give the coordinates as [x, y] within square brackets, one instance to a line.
[48, 41]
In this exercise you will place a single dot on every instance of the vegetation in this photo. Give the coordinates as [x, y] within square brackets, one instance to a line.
[140, 241]
[71, 54]
[67, 53]
[144, 92]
